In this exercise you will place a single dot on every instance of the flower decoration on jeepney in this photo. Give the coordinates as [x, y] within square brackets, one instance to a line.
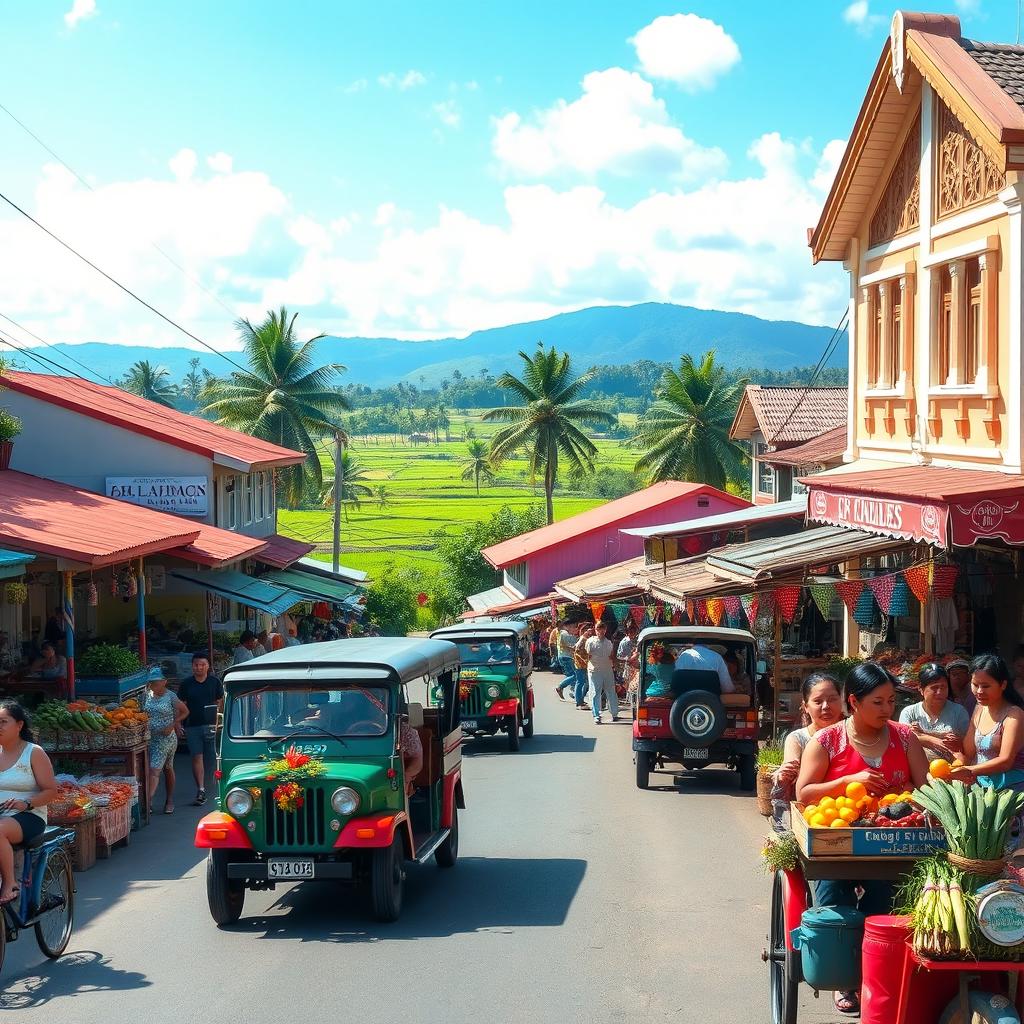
[659, 654]
[288, 772]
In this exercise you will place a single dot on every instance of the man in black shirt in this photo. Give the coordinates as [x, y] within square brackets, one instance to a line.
[200, 690]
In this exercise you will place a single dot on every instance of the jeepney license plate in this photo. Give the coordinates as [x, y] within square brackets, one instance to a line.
[470, 724]
[284, 869]
[695, 754]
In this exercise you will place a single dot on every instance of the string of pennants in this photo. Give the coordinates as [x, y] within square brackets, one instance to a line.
[889, 592]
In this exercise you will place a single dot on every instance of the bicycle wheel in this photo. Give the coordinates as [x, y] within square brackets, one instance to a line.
[56, 905]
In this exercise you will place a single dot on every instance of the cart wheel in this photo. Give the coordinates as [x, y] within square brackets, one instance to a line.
[448, 852]
[783, 965]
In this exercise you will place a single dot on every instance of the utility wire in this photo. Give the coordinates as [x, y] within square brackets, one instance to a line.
[66, 355]
[124, 288]
[170, 259]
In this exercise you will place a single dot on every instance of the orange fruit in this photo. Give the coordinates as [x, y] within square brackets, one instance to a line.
[838, 823]
[818, 821]
[940, 768]
[856, 791]
[829, 814]
[849, 815]
[827, 801]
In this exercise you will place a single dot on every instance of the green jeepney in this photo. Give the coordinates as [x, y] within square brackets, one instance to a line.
[495, 692]
[311, 769]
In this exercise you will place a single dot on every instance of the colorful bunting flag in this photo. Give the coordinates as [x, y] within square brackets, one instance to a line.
[787, 599]
[677, 616]
[849, 591]
[917, 579]
[733, 607]
[691, 611]
[899, 603]
[597, 610]
[637, 611]
[944, 580]
[823, 595]
[750, 604]
[882, 587]
[864, 613]
[716, 609]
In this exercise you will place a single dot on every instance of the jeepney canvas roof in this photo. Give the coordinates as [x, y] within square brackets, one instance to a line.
[484, 629]
[405, 657]
[693, 634]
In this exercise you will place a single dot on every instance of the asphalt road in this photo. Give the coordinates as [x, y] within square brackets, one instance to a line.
[576, 898]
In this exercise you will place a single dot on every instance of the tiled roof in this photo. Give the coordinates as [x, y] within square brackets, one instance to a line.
[1003, 63]
[140, 416]
[788, 414]
[818, 451]
[515, 550]
[50, 518]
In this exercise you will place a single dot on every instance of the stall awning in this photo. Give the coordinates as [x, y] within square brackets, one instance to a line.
[527, 608]
[344, 573]
[725, 521]
[922, 503]
[610, 581]
[12, 563]
[488, 599]
[316, 588]
[237, 586]
[281, 551]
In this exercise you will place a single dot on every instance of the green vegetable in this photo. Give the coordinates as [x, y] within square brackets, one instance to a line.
[107, 660]
[770, 756]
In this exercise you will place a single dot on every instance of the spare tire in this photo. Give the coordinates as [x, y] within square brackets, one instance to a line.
[697, 718]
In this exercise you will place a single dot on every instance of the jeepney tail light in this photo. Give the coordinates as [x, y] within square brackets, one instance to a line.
[642, 713]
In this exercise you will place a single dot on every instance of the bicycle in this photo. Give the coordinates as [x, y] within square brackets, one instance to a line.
[46, 900]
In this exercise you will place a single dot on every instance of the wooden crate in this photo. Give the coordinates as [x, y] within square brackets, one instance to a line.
[83, 850]
[115, 826]
[870, 843]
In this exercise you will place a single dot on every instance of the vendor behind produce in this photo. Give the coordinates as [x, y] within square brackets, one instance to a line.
[994, 744]
[867, 748]
[960, 684]
[938, 722]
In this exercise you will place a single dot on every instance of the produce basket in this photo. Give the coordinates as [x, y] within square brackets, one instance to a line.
[765, 784]
[114, 825]
[83, 850]
[873, 841]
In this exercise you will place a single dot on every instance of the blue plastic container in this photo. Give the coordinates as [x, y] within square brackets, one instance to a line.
[829, 940]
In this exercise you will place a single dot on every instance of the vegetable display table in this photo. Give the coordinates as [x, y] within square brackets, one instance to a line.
[133, 761]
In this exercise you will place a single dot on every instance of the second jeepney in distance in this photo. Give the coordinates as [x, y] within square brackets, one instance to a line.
[315, 772]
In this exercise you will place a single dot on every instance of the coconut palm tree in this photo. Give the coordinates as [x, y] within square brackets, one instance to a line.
[477, 464]
[381, 493]
[353, 484]
[549, 422]
[685, 433]
[150, 382]
[285, 397]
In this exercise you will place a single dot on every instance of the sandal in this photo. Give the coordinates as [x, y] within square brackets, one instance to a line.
[169, 810]
[15, 893]
[847, 1002]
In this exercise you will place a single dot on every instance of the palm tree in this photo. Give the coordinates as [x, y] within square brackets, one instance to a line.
[686, 431]
[285, 397]
[477, 464]
[150, 382]
[382, 496]
[548, 423]
[353, 485]
[443, 420]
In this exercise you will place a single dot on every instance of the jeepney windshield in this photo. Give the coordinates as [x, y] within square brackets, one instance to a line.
[327, 708]
[485, 652]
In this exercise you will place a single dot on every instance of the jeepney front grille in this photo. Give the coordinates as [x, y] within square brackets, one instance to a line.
[290, 829]
[473, 704]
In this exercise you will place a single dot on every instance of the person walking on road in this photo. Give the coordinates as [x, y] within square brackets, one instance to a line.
[166, 712]
[600, 672]
[566, 643]
[579, 661]
[200, 691]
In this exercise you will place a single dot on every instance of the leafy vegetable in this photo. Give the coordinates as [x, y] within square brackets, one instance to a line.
[770, 756]
[107, 660]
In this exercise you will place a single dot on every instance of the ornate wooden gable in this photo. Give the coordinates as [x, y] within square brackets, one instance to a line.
[899, 209]
[965, 174]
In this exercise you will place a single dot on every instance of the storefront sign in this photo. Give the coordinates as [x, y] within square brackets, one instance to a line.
[987, 518]
[182, 495]
[891, 517]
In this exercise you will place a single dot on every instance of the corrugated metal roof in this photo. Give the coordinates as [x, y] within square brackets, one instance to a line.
[515, 550]
[254, 593]
[929, 483]
[727, 520]
[609, 581]
[50, 518]
[280, 551]
[140, 416]
[319, 588]
[818, 451]
[8, 558]
[488, 599]
[215, 547]
[788, 414]
[344, 573]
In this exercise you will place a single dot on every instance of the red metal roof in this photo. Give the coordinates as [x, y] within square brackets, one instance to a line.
[50, 518]
[140, 416]
[818, 451]
[216, 547]
[281, 551]
[611, 513]
[932, 483]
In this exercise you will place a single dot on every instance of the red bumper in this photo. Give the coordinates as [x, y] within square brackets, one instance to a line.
[501, 708]
[371, 831]
[219, 831]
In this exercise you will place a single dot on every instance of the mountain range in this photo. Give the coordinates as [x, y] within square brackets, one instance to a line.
[600, 335]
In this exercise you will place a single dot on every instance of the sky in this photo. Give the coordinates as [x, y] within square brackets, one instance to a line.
[421, 170]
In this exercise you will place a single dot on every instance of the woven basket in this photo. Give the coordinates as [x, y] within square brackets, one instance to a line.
[83, 850]
[765, 782]
[982, 868]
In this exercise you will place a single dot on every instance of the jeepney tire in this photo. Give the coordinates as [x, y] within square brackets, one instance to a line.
[644, 763]
[513, 733]
[697, 718]
[528, 725]
[748, 773]
[448, 852]
[226, 895]
[387, 880]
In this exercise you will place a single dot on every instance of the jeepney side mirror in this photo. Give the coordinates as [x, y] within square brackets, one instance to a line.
[416, 715]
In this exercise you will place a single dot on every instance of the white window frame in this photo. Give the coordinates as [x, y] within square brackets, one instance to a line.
[248, 499]
[230, 512]
[760, 463]
[518, 575]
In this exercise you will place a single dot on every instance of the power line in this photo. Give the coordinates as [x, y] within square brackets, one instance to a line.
[170, 259]
[66, 355]
[124, 288]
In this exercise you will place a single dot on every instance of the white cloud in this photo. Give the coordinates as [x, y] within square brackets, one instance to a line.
[858, 14]
[222, 163]
[825, 172]
[80, 11]
[617, 125]
[448, 113]
[357, 86]
[686, 49]
[183, 164]
[412, 79]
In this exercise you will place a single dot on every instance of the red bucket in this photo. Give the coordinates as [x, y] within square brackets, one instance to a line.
[883, 957]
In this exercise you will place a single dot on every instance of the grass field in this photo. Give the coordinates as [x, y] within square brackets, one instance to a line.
[425, 494]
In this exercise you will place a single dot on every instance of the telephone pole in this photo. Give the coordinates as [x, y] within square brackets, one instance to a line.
[338, 486]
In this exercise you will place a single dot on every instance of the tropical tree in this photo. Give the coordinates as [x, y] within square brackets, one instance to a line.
[381, 493]
[685, 432]
[151, 382]
[285, 396]
[549, 421]
[477, 464]
[443, 420]
[353, 484]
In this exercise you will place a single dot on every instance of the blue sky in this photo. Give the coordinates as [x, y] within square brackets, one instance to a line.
[421, 170]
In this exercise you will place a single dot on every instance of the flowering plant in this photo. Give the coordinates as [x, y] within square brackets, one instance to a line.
[659, 654]
[288, 772]
[464, 691]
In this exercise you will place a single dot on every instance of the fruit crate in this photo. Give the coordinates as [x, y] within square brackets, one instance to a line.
[83, 849]
[871, 841]
[115, 826]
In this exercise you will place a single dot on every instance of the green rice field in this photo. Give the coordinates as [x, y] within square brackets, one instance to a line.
[425, 494]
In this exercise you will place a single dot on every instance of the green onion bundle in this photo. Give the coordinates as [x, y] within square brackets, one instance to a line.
[976, 819]
[943, 913]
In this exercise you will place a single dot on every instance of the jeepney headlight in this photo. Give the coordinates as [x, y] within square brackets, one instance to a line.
[238, 802]
[345, 800]
[493, 691]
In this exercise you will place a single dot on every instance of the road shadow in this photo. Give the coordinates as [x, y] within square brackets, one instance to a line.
[708, 781]
[480, 894]
[541, 743]
[81, 973]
